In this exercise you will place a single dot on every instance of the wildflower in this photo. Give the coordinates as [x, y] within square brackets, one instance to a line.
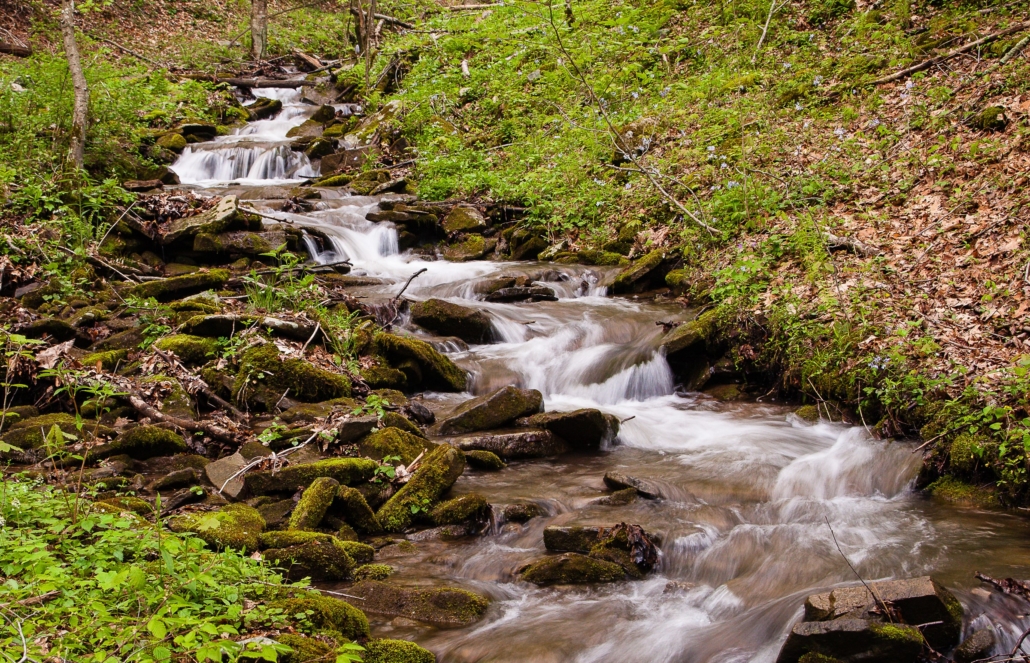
[711, 148]
[723, 166]
[817, 80]
[874, 123]
[598, 182]
[787, 65]
[909, 85]
[628, 186]
[634, 95]
[797, 105]
[732, 184]
[839, 132]
[664, 93]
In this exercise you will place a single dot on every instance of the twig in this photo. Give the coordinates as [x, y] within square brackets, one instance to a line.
[772, 10]
[410, 279]
[273, 15]
[318, 325]
[200, 385]
[459, 8]
[883, 606]
[395, 21]
[33, 600]
[148, 410]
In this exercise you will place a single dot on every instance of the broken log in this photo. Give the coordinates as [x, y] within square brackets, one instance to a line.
[253, 82]
[15, 50]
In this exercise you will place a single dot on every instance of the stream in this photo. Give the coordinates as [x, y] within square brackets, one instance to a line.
[751, 491]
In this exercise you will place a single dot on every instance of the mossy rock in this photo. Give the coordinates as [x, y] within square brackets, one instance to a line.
[172, 141]
[638, 276]
[592, 257]
[520, 512]
[445, 606]
[438, 372]
[236, 526]
[396, 420]
[176, 400]
[288, 538]
[143, 442]
[318, 559]
[571, 569]
[492, 410]
[471, 508]
[812, 657]
[15, 414]
[313, 504]
[264, 378]
[135, 505]
[485, 460]
[305, 649]
[178, 287]
[108, 360]
[350, 505]
[992, 118]
[32, 433]
[463, 218]
[373, 572]
[320, 148]
[334, 180]
[348, 471]
[955, 491]
[967, 452]
[128, 340]
[809, 413]
[396, 651]
[472, 247]
[191, 350]
[327, 615]
[678, 279]
[443, 317]
[306, 129]
[437, 473]
[393, 442]
[382, 376]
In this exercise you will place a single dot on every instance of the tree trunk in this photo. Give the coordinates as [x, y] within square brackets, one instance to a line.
[258, 28]
[81, 108]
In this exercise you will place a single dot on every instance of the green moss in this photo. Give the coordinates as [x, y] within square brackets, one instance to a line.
[395, 420]
[235, 526]
[348, 471]
[813, 657]
[897, 633]
[393, 442]
[444, 606]
[264, 378]
[191, 350]
[467, 508]
[334, 180]
[352, 507]
[619, 497]
[31, 433]
[108, 360]
[438, 472]
[373, 572]
[966, 452]
[396, 651]
[992, 118]
[382, 376]
[18, 413]
[362, 553]
[133, 504]
[592, 257]
[485, 460]
[956, 491]
[143, 442]
[634, 277]
[678, 279]
[313, 504]
[305, 649]
[172, 141]
[346, 533]
[471, 248]
[317, 559]
[180, 286]
[438, 372]
[809, 413]
[571, 569]
[288, 538]
[327, 615]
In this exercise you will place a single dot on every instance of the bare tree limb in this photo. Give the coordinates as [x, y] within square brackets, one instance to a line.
[129, 51]
[15, 50]
[772, 10]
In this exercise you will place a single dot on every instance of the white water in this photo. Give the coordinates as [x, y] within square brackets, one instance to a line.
[751, 493]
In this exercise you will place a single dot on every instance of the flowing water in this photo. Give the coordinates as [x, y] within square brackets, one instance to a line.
[754, 497]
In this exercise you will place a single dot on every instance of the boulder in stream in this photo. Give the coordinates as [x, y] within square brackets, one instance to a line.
[492, 411]
[585, 430]
[513, 444]
[644, 273]
[619, 481]
[571, 569]
[449, 319]
[538, 293]
[436, 474]
[348, 471]
[440, 606]
[852, 641]
[394, 442]
[314, 503]
[435, 371]
[263, 108]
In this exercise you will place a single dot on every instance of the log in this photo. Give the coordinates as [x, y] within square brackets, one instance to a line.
[253, 82]
[15, 50]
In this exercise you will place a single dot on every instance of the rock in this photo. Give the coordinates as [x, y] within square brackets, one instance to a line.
[436, 474]
[240, 242]
[572, 539]
[472, 247]
[978, 645]
[191, 350]
[219, 472]
[853, 641]
[396, 420]
[177, 479]
[346, 158]
[571, 569]
[318, 559]
[16, 414]
[138, 186]
[277, 512]
[587, 429]
[630, 547]
[530, 249]
[264, 378]
[236, 526]
[512, 445]
[224, 216]
[444, 607]
[418, 412]
[55, 328]
[393, 442]
[373, 572]
[916, 600]
[178, 287]
[448, 319]
[396, 651]
[319, 148]
[638, 276]
[468, 509]
[438, 372]
[521, 294]
[304, 649]
[619, 481]
[463, 218]
[198, 130]
[314, 503]
[350, 505]
[306, 129]
[32, 433]
[492, 411]
[141, 443]
[520, 512]
[992, 118]
[263, 108]
[217, 326]
[347, 471]
[327, 614]
[484, 460]
[324, 114]
[618, 497]
[172, 141]
[686, 350]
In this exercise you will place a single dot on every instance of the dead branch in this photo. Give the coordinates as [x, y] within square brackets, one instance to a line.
[765, 29]
[410, 279]
[15, 50]
[196, 384]
[849, 244]
[1007, 586]
[461, 8]
[883, 606]
[33, 600]
[147, 410]
[395, 21]
[129, 51]
[253, 82]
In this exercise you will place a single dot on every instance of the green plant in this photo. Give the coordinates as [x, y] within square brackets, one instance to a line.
[421, 507]
[374, 404]
[281, 289]
[386, 470]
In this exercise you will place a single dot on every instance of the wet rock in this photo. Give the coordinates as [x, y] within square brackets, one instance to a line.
[139, 186]
[33, 432]
[484, 460]
[978, 645]
[224, 216]
[419, 413]
[236, 526]
[306, 129]
[472, 247]
[491, 411]
[463, 218]
[177, 287]
[444, 533]
[276, 512]
[468, 509]
[396, 420]
[327, 614]
[348, 471]
[852, 641]
[394, 442]
[520, 512]
[571, 569]
[191, 350]
[318, 559]
[143, 442]
[240, 242]
[618, 497]
[396, 651]
[314, 503]
[436, 474]
[445, 607]
[915, 600]
[687, 351]
[177, 479]
[639, 276]
[373, 572]
[448, 319]
[172, 141]
[572, 539]
[619, 481]
[437, 371]
[350, 505]
[587, 429]
[630, 547]
[264, 379]
[512, 445]
[263, 108]
[529, 249]
[522, 293]
[680, 587]
[220, 471]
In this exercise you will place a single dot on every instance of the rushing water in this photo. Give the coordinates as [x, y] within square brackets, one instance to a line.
[754, 497]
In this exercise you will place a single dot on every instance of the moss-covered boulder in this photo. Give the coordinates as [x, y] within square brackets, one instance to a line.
[485, 460]
[318, 559]
[327, 615]
[54, 328]
[852, 640]
[585, 430]
[807, 413]
[393, 442]
[32, 433]
[143, 442]
[373, 572]
[241, 242]
[472, 247]
[108, 360]
[640, 275]
[263, 108]
[686, 350]
[464, 218]
[396, 651]
[351, 506]
[520, 512]
[992, 118]
[180, 286]
[513, 444]
[472, 508]
[449, 319]
[236, 526]
[306, 129]
[348, 471]
[447, 607]
[264, 377]
[314, 503]
[437, 371]
[304, 649]
[397, 420]
[15, 414]
[492, 410]
[135, 505]
[226, 215]
[172, 141]
[191, 350]
[436, 474]
[571, 569]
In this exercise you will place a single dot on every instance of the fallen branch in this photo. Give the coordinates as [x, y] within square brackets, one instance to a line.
[850, 244]
[926, 64]
[15, 50]
[395, 21]
[1007, 586]
[198, 385]
[147, 410]
[129, 51]
[253, 82]
[33, 600]
[460, 8]
[410, 279]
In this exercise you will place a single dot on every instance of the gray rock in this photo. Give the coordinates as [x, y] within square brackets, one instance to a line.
[571, 539]
[442, 606]
[449, 319]
[977, 646]
[212, 221]
[853, 641]
[492, 411]
[522, 293]
[619, 481]
[220, 470]
[513, 444]
[586, 429]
